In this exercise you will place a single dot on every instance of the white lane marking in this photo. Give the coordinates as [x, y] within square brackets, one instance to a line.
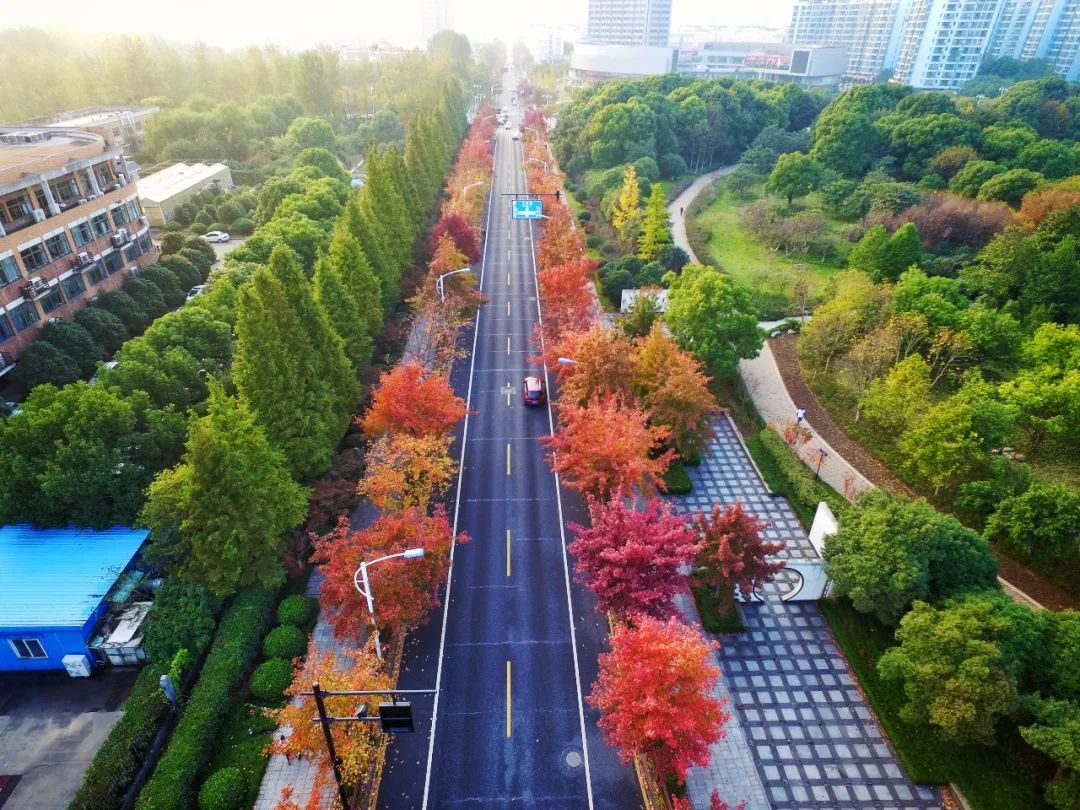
[562, 533]
[457, 500]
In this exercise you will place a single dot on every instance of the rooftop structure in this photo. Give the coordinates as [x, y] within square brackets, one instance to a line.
[119, 126]
[53, 589]
[808, 65]
[590, 61]
[163, 192]
[629, 22]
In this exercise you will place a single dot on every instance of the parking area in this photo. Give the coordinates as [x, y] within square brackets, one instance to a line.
[50, 728]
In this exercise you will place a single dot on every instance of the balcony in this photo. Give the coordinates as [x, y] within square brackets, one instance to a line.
[36, 288]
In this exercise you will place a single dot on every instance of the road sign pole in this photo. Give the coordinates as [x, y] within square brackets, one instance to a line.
[325, 723]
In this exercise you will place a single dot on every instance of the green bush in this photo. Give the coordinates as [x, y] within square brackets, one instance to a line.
[224, 790]
[173, 227]
[235, 646]
[182, 616]
[119, 757]
[296, 610]
[594, 240]
[270, 680]
[797, 482]
[286, 642]
[676, 479]
[198, 228]
[242, 226]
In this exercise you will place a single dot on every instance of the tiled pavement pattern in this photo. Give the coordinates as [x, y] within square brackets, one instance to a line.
[794, 702]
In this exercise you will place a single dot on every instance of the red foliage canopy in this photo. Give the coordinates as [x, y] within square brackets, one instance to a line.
[606, 447]
[568, 303]
[632, 560]
[952, 221]
[656, 695]
[458, 229]
[733, 552]
[561, 241]
[409, 399]
[404, 590]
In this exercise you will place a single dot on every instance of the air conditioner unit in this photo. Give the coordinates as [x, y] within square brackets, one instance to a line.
[93, 299]
[54, 320]
[134, 271]
[77, 666]
[121, 179]
[123, 233]
[84, 259]
[120, 238]
[83, 200]
[39, 215]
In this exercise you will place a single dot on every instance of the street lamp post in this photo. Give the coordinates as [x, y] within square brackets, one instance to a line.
[361, 575]
[465, 191]
[566, 361]
[542, 163]
[442, 287]
[530, 129]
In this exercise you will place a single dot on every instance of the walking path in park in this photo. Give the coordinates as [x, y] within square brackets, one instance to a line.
[802, 734]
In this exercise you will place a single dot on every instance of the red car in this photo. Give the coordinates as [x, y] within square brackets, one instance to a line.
[532, 391]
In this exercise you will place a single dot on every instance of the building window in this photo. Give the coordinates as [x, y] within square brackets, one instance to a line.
[53, 301]
[17, 209]
[6, 329]
[34, 257]
[65, 190]
[96, 274]
[82, 234]
[9, 271]
[23, 316]
[113, 261]
[100, 224]
[27, 648]
[58, 245]
[120, 215]
[73, 285]
[134, 211]
[132, 252]
[144, 242]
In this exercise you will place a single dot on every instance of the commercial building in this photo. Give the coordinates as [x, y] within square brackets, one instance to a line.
[589, 62]
[121, 127]
[939, 44]
[163, 192]
[66, 598]
[629, 22]
[436, 16]
[808, 65]
[70, 221]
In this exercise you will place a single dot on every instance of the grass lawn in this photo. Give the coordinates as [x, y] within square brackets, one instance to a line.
[1056, 464]
[1008, 776]
[715, 617]
[753, 264]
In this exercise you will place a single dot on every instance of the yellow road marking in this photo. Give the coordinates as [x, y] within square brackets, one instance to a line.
[508, 552]
[508, 698]
[508, 458]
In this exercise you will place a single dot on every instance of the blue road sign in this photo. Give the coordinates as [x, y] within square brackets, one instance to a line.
[528, 209]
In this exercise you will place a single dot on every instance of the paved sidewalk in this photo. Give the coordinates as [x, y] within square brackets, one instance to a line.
[677, 206]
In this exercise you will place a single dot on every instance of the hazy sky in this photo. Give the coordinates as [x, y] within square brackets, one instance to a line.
[308, 22]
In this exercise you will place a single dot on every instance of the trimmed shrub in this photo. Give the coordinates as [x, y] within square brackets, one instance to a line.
[182, 616]
[171, 243]
[120, 756]
[173, 227]
[235, 646]
[198, 228]
[106, 329]
[296, 610]
[676, 479]
[270, 680]
[224, 790]
[802, 486]
[286, 642]
[242, 226]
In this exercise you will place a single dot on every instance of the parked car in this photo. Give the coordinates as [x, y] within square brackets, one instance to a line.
[517, 135]
[216, 236]
[198, 288]
[108, 364]
[532, 391]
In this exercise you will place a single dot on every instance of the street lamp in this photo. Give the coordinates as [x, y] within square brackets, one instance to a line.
[442, 287]
[530, 129]
[542, 163]
[566, 361]
[465, 191]
[360, 575]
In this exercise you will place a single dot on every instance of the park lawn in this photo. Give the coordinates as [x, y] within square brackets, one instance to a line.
[1055, 464]
[1007, 776]
[751, 263]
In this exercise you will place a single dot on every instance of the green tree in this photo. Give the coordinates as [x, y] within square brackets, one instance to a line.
[1043, 522]
[181, 618]
[360, 228]
[169, 378]
[198, 332]
[356, 274]
[224, 509]
[1056, 733]
[713, 318]
[970, 179]
[41, 363]
[953, 668]
[1009, 186]
[106, 329]
[915, 140]
[626, 215]
[885, 257]
[1052, 159]
[74, 341]
[343, 313]
[123, 306]
[794, 175]
[894, 401]
[310, 133]
[890, 551]
[167, 282]
[325, 162]
[1046, 390]
[655, 226]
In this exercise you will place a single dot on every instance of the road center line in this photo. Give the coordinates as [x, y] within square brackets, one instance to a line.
[508, 552]
[508, 698]
[508, 458]
[507, 345]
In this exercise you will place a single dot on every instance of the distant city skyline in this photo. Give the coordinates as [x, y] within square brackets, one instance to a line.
[240, 23]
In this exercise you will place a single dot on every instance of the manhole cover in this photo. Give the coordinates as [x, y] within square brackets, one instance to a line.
[573, 759]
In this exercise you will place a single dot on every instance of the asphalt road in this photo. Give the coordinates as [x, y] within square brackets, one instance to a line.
[511, 657]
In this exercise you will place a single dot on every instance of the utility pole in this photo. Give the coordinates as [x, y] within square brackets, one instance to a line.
[324, 721]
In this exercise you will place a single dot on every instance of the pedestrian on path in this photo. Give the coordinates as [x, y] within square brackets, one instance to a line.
[800, 415]
[288, 756]
[680, 210]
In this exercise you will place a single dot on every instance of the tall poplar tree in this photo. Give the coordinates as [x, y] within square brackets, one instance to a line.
[655, 228]
[222, 512]
[416, 161]
[370, 240]
[341, 309]
[345, 253]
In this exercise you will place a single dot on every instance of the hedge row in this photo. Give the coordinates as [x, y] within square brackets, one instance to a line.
[236, 645]
[121, 755]
[802, 487]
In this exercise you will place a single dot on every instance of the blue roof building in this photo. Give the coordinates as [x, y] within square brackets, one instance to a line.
[53, 588]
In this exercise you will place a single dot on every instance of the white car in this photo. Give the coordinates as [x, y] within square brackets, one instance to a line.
[216, 236]
[516, 136]
[198, 288]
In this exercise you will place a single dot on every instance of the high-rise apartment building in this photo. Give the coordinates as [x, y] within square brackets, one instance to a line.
[939, 44]
[436, 16]
[629, 22]
[70, 228]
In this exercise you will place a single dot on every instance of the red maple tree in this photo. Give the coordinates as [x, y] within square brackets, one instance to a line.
[656, 695]
[404, 589]
[561, 242]
[606, 447]
[460, 231]
[733, 553]
[409, 399]
[604, 364]
[632, 560]
[568, 303]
